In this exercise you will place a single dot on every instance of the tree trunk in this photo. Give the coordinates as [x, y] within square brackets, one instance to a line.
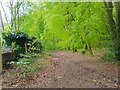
[117, 11]
[5, 16]
[114, 26]
[12, 16]
[111, 23]
[1, 22]
[18, 15]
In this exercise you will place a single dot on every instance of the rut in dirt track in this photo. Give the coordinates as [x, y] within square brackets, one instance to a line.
[73, 70]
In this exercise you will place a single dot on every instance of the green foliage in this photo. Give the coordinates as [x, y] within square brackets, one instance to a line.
[77, 26]
[109, 54]
[32, 23]
[34, 50]
[68, 25]
[24, 55]
[28, 68]
[34, 45]
[73, 25]
[19, 38]
[26, 63]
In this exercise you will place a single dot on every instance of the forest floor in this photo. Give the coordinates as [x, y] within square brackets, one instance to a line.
[66, 69]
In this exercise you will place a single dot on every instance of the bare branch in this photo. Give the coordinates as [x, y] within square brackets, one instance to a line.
[5, 16]
[1, 21]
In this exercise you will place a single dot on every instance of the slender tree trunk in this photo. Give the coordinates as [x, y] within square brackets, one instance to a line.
[5, 16]
[1, 22]
[18, 14]
[12, 16]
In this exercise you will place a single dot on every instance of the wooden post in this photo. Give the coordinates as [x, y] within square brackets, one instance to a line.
[26, 48]
[0, 65]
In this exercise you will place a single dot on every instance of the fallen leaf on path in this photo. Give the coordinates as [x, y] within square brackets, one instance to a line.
[94, 81]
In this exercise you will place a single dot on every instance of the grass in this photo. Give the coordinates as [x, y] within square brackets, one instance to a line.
[104, 57]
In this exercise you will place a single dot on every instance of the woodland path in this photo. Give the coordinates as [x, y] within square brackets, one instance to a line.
[68, 69]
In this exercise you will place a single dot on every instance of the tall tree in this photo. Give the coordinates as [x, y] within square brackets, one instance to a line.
[114, 24]
[117, 10]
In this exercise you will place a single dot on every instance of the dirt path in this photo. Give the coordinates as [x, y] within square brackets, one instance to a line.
[73, 70]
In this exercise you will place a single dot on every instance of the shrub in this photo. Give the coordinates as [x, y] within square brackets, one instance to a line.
[18, 40]
[34, 45]
[109, 54]
[19, 37]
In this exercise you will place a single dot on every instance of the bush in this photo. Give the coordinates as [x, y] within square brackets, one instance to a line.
[34, 45]
[19, 39]
[109, 54]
